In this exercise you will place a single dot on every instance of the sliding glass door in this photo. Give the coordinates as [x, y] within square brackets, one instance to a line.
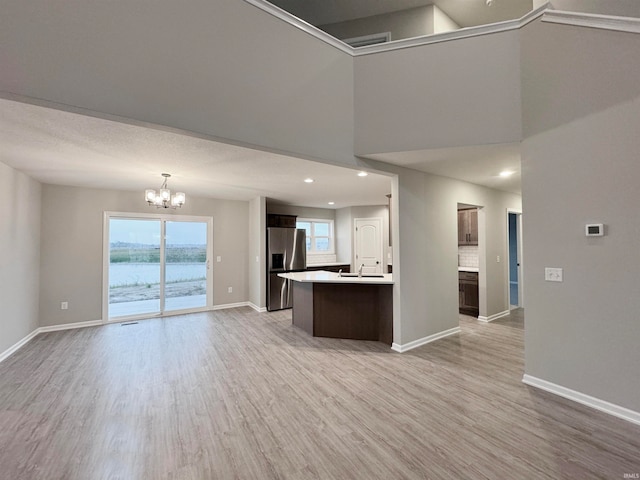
[185, 284]
[134, 267]
[155, 265]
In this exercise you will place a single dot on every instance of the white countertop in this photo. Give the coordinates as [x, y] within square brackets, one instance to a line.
[321, 276]
[468, 269]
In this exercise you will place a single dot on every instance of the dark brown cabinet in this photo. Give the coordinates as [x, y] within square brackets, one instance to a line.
[468, 227]
[468, 295]
[330, 268]
[282, 221]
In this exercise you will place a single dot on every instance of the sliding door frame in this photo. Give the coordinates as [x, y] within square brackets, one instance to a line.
[163, 218]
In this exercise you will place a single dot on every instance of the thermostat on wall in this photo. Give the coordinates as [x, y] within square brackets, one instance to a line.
[594, 230]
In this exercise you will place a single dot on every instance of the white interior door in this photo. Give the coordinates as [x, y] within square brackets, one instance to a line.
[368, 244]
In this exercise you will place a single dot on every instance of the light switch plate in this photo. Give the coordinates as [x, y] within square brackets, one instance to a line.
[218, 258]
[553, 274]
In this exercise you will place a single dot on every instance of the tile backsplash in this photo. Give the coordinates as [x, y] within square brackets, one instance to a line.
[314, 259]
[468, 256]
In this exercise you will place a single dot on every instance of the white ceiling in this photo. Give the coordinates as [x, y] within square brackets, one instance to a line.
[478, 164]
[63, 148]
[466, 13]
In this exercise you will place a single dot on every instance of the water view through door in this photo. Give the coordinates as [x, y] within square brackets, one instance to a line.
[156, 266]
[186, 265]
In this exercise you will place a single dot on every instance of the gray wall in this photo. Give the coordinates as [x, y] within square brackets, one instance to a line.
[409, 23]
[257, 249]
[71, 248]
[442, 22]
[457, 93]
[343, 235]
[223, 68]
[302, 212]
[425, 250]
[19, 255]
[347, 216]
[581, 105]
[606, 7]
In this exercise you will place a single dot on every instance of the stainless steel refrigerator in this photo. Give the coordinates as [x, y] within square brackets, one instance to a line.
[286, 252]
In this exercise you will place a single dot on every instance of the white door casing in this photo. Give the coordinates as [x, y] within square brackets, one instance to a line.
[368, 248]
[163, 218]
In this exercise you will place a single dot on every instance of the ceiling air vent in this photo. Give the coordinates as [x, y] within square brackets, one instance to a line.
[373, 39]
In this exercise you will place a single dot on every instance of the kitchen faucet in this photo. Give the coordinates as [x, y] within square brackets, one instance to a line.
[360, 270]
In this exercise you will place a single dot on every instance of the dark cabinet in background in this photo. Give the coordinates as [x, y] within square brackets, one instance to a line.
[330, 268]
[468, 227]
[282, 221]
[468, 294]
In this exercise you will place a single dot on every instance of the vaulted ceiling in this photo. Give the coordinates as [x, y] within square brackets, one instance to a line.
[466, 13]
[61, 147]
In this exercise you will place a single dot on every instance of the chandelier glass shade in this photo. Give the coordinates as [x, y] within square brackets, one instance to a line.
[163, 197]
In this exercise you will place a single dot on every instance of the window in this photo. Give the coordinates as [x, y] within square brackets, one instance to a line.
[319, 235]
[155, 264]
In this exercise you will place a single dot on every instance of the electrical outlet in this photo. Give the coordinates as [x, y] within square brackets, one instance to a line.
[230, 289]
[498, 259]
[553, 274]
[64, 305]
[257, 259]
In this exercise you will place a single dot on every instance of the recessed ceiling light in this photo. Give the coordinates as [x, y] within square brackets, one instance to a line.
[506, 173]
[332, 203]
[308, 180]
[362, 174]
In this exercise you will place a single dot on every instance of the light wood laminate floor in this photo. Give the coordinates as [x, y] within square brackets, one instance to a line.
[236, 394]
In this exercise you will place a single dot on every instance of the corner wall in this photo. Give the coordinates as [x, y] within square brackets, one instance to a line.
[344, 220]
[580, 165]
[413, 22]
[222, 68]
[257, 252]
[425, 252]
[449, 94]
[19, 256]
[71, 248]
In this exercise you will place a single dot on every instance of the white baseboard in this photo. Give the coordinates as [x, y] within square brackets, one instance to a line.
[424, 340]
[493, 317]
[14, 348]
[94, 323]
[53, 328]
[69, 326]
[257, 308]
[589, 401]
[230, 305]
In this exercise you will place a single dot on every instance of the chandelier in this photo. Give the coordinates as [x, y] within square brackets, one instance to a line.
[163, 198]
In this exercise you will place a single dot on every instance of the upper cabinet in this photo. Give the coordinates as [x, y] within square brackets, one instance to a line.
[468, 227]
[277, 220]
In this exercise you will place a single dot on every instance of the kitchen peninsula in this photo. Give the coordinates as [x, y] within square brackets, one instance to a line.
[326, 304]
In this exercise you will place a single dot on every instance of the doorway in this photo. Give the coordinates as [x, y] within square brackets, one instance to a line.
[368, 245]
[514, 233]
[156, 264]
